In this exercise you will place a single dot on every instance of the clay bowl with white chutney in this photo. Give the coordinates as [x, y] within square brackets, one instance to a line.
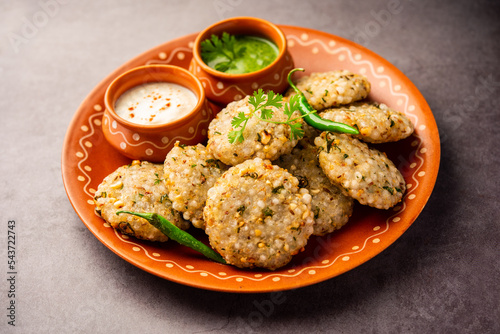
[149, 108]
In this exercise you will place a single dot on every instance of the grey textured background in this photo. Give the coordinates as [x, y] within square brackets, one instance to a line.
[441, 276]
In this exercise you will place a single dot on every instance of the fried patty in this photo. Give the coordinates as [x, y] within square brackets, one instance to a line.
[136, 187]
[377, 123]
[257, 216]
[331, 208]
[330, 89]
[261, 139]
[189, 172]
[363, 173]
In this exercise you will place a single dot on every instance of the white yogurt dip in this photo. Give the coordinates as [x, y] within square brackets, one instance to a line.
[155, 103]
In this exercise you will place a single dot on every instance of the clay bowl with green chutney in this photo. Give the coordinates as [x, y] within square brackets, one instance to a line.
[237, 56]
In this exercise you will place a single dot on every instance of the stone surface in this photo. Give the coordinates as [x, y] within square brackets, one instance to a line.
[441, 276]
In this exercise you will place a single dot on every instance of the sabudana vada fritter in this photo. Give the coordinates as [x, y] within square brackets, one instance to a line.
[330, 206]
[261, 139]
[363, 173]
[136, 187]
[257, 216]
[330, 89]
[189, 172]
[377, 123]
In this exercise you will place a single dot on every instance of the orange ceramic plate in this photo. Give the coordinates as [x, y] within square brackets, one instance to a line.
[87, 158]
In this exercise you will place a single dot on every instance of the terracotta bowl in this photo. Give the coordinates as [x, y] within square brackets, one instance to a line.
[223, 88]
[152, 142]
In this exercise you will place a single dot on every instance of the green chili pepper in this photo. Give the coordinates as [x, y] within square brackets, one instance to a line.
[312, 118]
[175, 233]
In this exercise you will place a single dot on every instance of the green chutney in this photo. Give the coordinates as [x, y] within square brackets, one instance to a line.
[250, 54]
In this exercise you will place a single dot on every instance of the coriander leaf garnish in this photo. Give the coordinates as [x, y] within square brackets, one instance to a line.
[296, 131]
[267, 212]
[238, 120]
[222, 49]
[273, 100]
[241, 209]
[262, 104]
[236, 136]
[257, 98]
[291, 106]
